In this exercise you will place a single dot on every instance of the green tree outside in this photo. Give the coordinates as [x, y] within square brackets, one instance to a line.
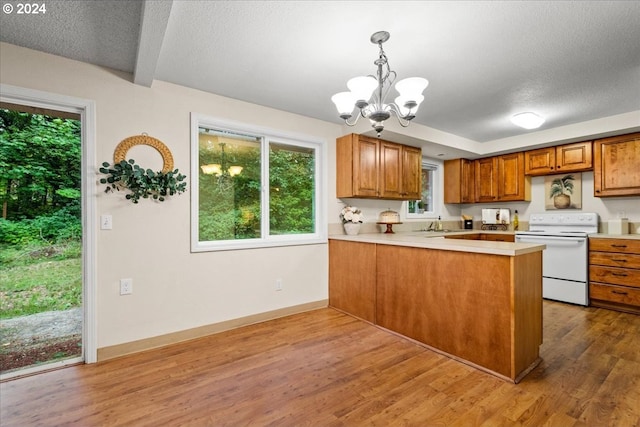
[40, 227]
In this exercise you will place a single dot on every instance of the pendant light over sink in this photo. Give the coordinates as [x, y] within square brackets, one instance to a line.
[368, 94]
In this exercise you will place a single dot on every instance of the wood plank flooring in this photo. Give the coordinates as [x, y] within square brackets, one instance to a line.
[324, 368]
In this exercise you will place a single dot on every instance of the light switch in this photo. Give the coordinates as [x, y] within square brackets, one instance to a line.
[106, 222]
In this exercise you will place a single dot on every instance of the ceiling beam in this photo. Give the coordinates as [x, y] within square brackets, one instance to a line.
[153, 24]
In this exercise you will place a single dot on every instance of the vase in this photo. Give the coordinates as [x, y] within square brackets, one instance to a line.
[562, 201]
[352, 228]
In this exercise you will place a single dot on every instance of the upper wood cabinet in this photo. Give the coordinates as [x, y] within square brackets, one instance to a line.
[486, 179]
[501, 179]
[357, 166]
[459, 181]
[373, 168]
[411, 173]
[512, 184]
[616, 166]
[564, 158]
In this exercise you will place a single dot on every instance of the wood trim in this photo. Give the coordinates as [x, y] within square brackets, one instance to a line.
[118, 350]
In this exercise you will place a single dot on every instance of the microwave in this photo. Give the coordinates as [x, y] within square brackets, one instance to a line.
[496, 216]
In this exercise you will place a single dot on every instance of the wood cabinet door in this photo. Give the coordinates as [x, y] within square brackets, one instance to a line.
[352, 278]
[540, 162]
[459, 181]
[467, 188]
[453, 180]
[574, 157]
[616, 168]
[411, 173]
[564, 158]
[511, 182]
[365, 167]
[390, 170]
[486, 182]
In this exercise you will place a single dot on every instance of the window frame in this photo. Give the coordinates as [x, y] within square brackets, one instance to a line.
[438, 195]
[267, 136]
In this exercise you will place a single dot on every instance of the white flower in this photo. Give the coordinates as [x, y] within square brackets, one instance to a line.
[351, 214]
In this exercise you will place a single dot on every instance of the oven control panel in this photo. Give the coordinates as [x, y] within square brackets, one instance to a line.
[569, 218]
[564, 222]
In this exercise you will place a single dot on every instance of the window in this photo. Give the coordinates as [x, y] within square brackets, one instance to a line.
[426, 207]
[253, 187]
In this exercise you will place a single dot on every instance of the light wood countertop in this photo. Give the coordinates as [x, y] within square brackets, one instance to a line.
[437, 240]
[615, 236]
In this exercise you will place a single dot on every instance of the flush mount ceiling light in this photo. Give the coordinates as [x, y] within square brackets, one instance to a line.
[368, 94]
[527, 120]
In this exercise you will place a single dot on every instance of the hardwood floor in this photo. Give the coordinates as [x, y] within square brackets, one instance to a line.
[324, 368]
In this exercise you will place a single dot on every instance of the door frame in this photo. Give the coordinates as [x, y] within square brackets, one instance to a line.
[86, 108]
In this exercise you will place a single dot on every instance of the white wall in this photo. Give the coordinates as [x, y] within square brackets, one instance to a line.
[174, 289]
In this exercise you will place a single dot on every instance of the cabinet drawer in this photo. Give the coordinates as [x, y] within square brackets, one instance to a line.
[612, 293]
[613, 275]
[614, 260]
[615, 245]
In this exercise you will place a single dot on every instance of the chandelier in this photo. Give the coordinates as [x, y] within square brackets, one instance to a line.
[368, 94]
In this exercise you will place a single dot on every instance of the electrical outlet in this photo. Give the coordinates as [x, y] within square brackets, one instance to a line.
[278, 284]
[126, 286]
[106, 222]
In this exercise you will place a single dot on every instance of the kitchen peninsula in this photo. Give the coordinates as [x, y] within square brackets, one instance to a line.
[477, 301]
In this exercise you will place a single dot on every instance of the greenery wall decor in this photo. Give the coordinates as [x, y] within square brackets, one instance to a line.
[142, 183]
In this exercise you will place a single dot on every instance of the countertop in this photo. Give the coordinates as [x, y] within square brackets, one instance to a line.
[437, 240]
[615, 236]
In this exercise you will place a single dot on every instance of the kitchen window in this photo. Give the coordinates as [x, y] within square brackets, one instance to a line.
[253, 187]
[427, 206]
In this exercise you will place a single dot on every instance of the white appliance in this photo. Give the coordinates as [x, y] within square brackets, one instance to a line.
[565, 260]
[495, 216]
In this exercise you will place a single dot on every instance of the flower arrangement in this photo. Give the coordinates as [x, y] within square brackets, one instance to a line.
[351, 214]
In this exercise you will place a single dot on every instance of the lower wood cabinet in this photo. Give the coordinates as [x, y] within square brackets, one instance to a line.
[614, 274]
[352, 278]
[492, 321]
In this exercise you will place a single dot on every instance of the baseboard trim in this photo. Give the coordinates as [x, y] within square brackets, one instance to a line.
[118, 350]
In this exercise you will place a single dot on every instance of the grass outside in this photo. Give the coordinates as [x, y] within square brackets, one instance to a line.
[40, 278]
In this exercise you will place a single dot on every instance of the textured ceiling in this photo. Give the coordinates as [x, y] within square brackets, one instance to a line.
[570, 61]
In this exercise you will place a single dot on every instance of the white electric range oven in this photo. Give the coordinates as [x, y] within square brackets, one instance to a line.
[565, 260]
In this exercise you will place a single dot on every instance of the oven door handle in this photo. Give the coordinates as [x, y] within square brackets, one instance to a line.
[546, 239]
